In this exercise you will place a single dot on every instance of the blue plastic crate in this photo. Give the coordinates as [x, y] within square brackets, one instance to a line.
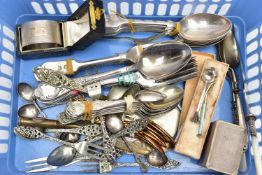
[14, 151]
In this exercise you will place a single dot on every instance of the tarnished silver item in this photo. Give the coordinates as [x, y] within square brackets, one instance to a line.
[132, 55]
[108, 143]
[89, 131]
[41, 34]
[32, 133]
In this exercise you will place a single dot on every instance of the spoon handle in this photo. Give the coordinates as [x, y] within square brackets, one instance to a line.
[56, 79]
[119, 58]
[116, 23]
[88, 130]
[143, 40]
[240, 118]
[45, 136]
[41, 113]
[143, 167]
[91, 79]
[203, 112]
[196, 116]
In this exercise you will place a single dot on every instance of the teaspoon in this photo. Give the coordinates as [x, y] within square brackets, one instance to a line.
[27, 93]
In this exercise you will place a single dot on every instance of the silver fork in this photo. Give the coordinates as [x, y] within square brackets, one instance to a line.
[40, 164]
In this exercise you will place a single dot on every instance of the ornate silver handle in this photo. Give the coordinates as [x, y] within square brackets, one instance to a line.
[91, 130]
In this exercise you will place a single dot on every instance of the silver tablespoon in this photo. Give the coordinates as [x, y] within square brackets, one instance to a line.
[157, 62]
[131, 55]
[27, 93]
[190, 30]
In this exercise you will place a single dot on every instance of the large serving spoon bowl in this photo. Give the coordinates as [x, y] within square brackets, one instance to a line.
[163, 59]
[229, 52]
[204, 27]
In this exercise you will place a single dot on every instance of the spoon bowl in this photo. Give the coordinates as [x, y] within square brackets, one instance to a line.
[28, 110]
[61, 155]
[156, 158]
[116, 92]
[69, 137]
[114, 123]
[26, 92]
[161, 60]
[230, 54]
[204, 27]
[171, 92]
[209, 76]
[149, 96]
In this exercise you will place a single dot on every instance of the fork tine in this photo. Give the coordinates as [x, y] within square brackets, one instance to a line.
[47, 168]
[38, 165]
[41, 159]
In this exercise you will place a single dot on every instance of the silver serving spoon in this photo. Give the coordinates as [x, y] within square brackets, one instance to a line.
[157, 62]
[228, 53]
[190, 30]
[70, 67]
[203, 28]
[27, 93]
